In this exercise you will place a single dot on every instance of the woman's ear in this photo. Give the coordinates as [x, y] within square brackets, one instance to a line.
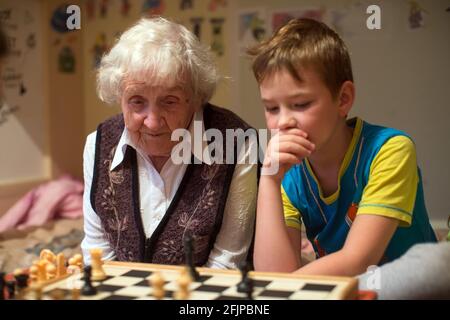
[346, 98]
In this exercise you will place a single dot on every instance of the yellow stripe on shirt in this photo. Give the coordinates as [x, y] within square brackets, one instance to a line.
[392, 186]
[291, 213]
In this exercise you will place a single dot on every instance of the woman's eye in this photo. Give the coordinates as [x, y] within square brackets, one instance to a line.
[136, 102]
[170, 101]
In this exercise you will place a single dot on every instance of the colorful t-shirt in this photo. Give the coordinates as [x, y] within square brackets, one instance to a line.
[378, 176]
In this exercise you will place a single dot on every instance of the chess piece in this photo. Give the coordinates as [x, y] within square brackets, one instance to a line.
[157, 282]
[183, 286]
[79, 260]
[11, 288]
[2, 286]
[33, 272]
[75, 265]
[98, 274]
[188, 250]
[88, 289]
[246, 284]
[21, 282]
[50, 271]
[60, 265]
[41, 272]
[48, 256]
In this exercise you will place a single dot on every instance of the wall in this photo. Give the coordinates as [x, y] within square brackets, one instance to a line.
[41, 140]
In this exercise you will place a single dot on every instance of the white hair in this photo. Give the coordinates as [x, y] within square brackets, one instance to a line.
[158, 52]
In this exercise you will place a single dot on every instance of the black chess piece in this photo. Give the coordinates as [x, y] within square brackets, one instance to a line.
[22, 284]
[21, 280]
[188, 250]
[88, 289]
[11, 287]
[2, 286]
[246, 284]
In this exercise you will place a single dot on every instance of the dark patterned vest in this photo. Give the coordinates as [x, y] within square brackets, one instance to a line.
[196, 209]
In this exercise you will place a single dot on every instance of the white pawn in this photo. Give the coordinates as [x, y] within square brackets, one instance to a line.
[183, 286]
[98, 274]
[79, 260]
[157, 282]
[73, 266]
[41, 270]
[34, 272]
[50, 270]
[60, 265]
[47, 255]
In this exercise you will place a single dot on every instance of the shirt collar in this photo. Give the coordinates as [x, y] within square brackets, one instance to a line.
[125, 141]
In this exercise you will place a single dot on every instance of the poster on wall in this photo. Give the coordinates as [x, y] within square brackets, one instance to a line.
[218, 41]
[280, 17]
[22, 109]
[416, 15]
[252, 27]
[151, 7]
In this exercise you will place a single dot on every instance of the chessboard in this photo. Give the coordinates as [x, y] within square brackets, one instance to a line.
[130, 281]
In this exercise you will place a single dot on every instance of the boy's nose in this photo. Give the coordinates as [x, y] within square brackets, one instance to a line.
[287, 121]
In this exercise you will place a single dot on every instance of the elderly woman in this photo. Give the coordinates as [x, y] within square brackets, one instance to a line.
[139, 204]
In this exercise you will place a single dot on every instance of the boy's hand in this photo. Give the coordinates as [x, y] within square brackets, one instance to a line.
[285, 149]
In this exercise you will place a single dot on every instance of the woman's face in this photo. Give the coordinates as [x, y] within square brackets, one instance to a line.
[152, 113]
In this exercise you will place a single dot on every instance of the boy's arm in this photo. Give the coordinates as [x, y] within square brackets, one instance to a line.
[365, 245]
[277, 247]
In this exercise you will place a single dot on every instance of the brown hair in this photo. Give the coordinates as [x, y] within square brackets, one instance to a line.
[303, 43]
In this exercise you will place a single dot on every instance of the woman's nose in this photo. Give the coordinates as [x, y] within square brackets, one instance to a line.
[153, 119]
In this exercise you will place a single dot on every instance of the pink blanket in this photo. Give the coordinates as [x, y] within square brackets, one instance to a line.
[61, 198]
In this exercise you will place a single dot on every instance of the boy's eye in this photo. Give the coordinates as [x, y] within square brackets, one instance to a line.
[272, 109]
[302, 105]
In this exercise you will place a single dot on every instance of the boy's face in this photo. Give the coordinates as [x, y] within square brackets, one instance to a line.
[307, 105]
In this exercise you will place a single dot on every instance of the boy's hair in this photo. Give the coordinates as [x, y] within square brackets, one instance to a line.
[304, 43]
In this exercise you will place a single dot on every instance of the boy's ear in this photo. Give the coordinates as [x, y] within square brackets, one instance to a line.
[346, 98]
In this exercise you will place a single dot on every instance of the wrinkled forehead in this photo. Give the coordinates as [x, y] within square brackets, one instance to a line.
[141, 87]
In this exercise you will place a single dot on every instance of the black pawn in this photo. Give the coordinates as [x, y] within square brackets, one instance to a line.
[22, 284]
[246, 284]
[188, 250]
[22, 281]
[88, 289]
[11, 287]
[2, 286]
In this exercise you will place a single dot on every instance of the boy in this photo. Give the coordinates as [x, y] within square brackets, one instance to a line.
[355, 186]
